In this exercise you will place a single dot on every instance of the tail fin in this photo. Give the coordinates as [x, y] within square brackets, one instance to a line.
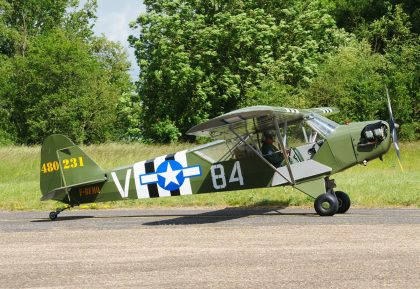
[65, 165]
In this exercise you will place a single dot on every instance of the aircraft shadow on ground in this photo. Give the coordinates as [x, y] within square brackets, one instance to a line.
[222, 215]
[225, 214]
[214, 216]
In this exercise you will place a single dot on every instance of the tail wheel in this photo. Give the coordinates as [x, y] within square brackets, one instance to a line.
[343, 202]
[53, 216]
[326, 205]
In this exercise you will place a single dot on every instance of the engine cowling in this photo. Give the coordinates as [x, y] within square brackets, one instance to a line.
[373, 134]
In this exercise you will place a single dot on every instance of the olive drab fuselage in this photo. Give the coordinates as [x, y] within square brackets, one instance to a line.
[70, 176]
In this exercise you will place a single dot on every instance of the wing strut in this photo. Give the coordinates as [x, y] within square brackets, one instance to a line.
[262, 158]
[283, 150]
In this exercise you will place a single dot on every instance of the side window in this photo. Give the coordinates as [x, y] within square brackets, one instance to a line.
[242, 150]
[304, 142]
[219, 151]
[301, 141]
[214, 152]
[297, 135]
[309, 134]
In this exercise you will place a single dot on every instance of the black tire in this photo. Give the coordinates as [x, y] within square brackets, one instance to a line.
[326, 205]
[53, 216]
[343, 202]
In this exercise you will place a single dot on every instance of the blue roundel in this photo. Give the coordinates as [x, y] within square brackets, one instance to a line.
[170, 175]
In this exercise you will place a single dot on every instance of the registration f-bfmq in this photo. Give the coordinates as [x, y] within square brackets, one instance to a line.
[311, 146]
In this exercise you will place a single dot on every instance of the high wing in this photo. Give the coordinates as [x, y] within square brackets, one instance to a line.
[253, 119]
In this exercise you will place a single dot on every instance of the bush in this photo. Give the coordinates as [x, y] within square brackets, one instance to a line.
[353, 81]
[410, 131]
[165, 132]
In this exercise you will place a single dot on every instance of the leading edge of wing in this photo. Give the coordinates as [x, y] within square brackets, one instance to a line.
[246, 113]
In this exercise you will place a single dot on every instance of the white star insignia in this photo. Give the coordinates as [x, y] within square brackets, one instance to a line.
[170, 175]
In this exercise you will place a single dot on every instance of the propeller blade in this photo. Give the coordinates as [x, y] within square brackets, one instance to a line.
[393, 129]
[397, 148]
[389, 104]
[391, 117]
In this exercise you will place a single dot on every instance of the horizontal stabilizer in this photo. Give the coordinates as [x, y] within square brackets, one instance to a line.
[61, 193]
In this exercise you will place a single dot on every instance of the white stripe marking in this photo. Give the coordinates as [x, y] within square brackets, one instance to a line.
[142, 190]
[181, 157]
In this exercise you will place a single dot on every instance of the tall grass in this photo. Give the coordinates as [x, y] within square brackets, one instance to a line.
[380, 184]
[383, 183]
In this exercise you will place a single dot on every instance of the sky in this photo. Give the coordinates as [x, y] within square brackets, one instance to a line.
[113, 21]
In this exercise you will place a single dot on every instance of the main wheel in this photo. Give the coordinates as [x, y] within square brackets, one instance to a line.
[53, 216]
[343, 202]
[326, 205]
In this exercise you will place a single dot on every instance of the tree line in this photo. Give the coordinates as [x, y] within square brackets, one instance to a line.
[56, 76]
[199, 59]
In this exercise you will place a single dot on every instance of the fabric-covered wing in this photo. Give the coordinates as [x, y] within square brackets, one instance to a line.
[322, 110]
[252, 119]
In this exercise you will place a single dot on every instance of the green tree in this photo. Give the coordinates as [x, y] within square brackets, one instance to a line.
[32, 17]
[391, 29]
[58, 87]
[114, 66]
[392, 36]
[8, 36]
[276, 93]
[352, 80]
[403, 76]
[22, 20]
[56, 77]
[113, 62]
[129, 118]
[199, 59]
[7, 129]
[355, 15]
[306, 35]
[80, 21]
[194, 66]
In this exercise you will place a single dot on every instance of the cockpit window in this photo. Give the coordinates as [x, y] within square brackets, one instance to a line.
[213, 152]
[309, 130]
[223, 150]
[320, 124]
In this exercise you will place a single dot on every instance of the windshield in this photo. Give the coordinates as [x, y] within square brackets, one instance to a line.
[322, 125]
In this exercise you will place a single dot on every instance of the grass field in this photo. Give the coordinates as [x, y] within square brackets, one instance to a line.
[380, 184]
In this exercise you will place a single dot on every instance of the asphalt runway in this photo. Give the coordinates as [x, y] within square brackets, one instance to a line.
[226, 248]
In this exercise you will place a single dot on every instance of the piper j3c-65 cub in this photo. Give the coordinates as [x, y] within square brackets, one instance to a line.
[310, 148]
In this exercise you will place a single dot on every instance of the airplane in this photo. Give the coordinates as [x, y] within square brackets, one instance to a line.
[310, 149]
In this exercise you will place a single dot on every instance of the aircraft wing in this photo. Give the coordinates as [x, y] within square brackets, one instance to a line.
[252, 119]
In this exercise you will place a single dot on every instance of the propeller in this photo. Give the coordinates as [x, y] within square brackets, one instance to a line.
[393, 127]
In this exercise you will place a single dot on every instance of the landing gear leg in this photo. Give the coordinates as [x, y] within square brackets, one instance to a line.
[327, 204]
[54, 214]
